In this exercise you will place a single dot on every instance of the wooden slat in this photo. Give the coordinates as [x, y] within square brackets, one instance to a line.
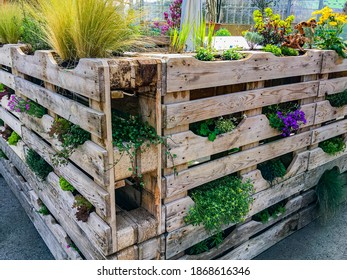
[5, 54]
[176, 211]
[329, 131]
[87, 118]
[87, 187]
[185, 237]
[332, 86]
[4, 104]
[85, 79]
[332, 62]
[7, 79]
[318, 157]
[215, 169]
[325, 112]
[206, 108]
[188, 146]
[89, 156]
[188, 73]
[11, 121]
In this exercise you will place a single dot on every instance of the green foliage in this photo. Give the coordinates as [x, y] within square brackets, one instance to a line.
[206, 245]
[84, 208]
[212, 127]
[272, 169]
[10, 22]
[2, 88]
[36, 110]
[232, 54]
[263, 216]
[273, 49]
[131, 136]
[273, 211]
[261, 5]
[289, 51]
[70, 135]
[199, 33]
[84, 28]
[32, 35]
[204, 54]
[333, 146]
[13, 139]
[179, 37]
[37, 164]
[223, 201]
[338, 99]
[253, 39]
[65, 185]
[43, 210]
[210, 32]
[222, 32]
[2, 122]
[330, 191]
[2, 154]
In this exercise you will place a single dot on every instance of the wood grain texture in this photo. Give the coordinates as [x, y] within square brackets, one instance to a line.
[188, 146]
[325, 112]
[318, 157]
[11, 121]
[5, 54]
[332, 86]
[7, 79]
[332, 62]
[89, 119]
[188, 73]
[85, 79]
[215, 169]
[206, 108]
[86, 186]
[329, 131]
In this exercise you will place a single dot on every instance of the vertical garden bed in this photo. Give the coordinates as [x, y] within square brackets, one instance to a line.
[139, 198]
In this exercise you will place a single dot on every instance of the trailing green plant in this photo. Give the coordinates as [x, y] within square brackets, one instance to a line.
[13, 139]
[38, 165]
[10, 22]
[85, 28]
[212, 127]
[222, 32]
[65, 185]
[70, 135]
[223, 201]
[206, 245]
[253, 39]
[286, 51]
[43, 210]
[131, 136]
[338, 99]
[272, 169]
[333, 145]
[32, 34]
[204, 55]
[179, 37]
[232, 54]
[84, 208]
[36, 110]
[330, 192]
[273, 49]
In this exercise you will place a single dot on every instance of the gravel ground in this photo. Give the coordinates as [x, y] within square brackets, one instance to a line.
[19, 239]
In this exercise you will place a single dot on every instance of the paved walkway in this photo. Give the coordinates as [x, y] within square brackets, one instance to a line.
[19, 239]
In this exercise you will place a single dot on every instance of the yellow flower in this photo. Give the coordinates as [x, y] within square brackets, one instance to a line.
[333, 23]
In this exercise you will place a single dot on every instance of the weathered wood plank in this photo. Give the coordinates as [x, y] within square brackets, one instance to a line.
[179, 240]
[176, 211]
[85, 79]
[212, 107]
[332, 86]
[11, 121]
[318, 157]
[329, 131]
[325, 112]
[187, 73]
[5, 54]
[86, 186]
[89, 119]
[7, 79]
[332, 62]
[215, 169]
[89, 156]
[188, 146]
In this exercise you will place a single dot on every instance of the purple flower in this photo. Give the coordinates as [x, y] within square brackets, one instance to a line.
[27, 106]
[291, 121]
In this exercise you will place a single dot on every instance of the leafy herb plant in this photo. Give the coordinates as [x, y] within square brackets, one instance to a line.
[273, 49]
[205, 54]
[13, 139]
[37, 164]
[43, 210]
[273, 211]
[65, 185]
[232, 54]
[338, 99]
[222, 32]
[223, 201]
[286, 51]
[206, 245]
[84, 208]
[333, 146]
[70, 135]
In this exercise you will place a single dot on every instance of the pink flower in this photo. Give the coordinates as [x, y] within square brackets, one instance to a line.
[27, 106]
